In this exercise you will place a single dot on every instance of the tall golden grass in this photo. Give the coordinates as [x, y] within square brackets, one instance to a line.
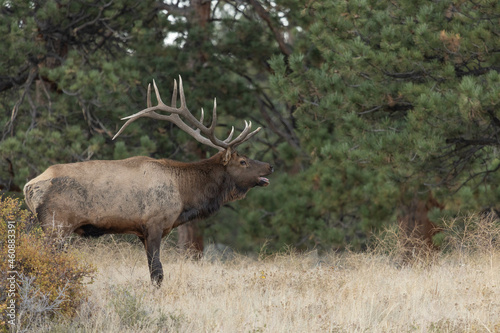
[456, 290]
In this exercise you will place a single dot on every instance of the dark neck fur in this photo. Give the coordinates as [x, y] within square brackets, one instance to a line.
[206, 188]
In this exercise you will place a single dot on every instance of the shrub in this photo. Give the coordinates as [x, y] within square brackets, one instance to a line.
[464, 235]
[473, 233]
[48, 281]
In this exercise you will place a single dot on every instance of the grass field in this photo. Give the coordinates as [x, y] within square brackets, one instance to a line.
[458, 291]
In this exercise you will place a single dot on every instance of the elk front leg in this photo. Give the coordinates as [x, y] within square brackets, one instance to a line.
[152, 245]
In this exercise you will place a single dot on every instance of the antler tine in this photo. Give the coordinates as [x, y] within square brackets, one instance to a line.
[244, 135]
[158, 98]
[214, 116]
[174, 95]
[198, 129]
[123, 127]
[230, 136]
[148, 100]
[248, 136]
[181, 93]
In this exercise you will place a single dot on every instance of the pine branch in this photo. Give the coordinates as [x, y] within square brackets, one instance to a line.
[277, 33]
[407, 75]
[477, 71]
[474, 142]
[7, 82]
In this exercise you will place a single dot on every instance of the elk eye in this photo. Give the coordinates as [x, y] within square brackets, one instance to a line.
[243, 162]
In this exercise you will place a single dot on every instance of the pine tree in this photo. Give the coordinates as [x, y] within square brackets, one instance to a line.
[393, 100]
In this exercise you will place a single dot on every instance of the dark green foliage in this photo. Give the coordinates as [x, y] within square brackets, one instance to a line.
[404, 100]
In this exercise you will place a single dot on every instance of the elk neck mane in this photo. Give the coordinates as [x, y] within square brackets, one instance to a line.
[205, 187]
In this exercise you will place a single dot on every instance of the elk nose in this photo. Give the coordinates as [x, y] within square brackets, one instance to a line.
[271, 169]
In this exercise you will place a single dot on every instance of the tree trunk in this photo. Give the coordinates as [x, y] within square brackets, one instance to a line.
[416, 230]
[190, 239]
[190, 236]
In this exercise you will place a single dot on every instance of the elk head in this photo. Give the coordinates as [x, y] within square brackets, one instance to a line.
[248, 173]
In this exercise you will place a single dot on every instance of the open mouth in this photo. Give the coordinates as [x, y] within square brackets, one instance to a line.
[263, 181]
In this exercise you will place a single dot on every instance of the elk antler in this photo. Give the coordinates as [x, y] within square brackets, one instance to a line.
[209, 139]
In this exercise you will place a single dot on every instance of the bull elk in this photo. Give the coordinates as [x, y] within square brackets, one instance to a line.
[144, 196]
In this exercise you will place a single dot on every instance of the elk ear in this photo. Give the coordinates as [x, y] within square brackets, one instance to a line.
[227, 156]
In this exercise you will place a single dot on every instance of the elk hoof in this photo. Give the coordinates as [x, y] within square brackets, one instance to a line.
[157, 280]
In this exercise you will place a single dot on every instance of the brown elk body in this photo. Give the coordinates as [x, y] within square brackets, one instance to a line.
[141, 195]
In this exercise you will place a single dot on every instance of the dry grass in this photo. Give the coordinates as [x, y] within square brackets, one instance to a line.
[454, 292]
